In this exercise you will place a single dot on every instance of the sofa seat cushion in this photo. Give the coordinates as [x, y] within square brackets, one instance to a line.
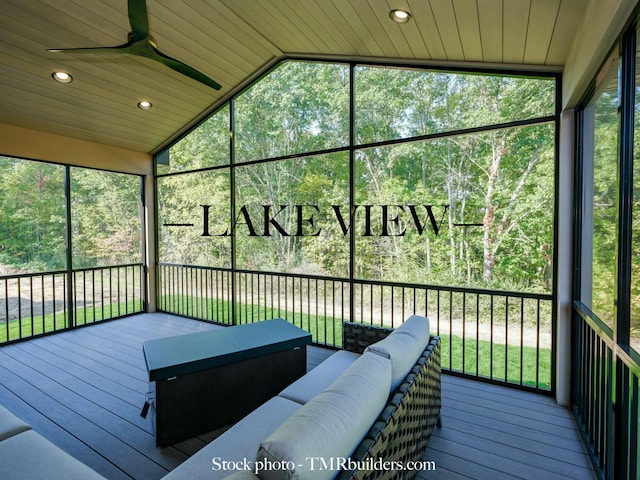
[330, 425]
[237, 444]
[319, 378]
[403, 347]
[30, 455]
[11, 425]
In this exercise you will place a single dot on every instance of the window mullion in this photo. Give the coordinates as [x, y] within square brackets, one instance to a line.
[625, 187]
[623, 272]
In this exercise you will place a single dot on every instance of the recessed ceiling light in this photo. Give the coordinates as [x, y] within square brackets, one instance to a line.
[400, 16]
[144, 105]
[62, 77]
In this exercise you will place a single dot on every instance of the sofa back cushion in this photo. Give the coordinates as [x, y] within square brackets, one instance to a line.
[329, 426]
[403, 347]
[319, 378]
[418, 327]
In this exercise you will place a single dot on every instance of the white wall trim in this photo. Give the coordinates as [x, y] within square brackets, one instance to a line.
[602, 23]
[565, 258]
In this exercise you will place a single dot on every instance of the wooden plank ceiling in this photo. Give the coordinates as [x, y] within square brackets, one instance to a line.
[232, 41]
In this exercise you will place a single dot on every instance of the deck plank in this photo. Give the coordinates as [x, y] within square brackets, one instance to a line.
[497, 432]
[63, 439]
[515, 408]
[83, 390]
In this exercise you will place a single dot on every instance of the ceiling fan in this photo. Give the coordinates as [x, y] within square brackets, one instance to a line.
[142, 44]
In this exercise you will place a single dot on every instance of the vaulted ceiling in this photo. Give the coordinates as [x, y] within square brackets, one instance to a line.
[232, 41]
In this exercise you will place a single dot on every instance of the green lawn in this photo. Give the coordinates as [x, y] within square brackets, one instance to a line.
[58, 321]
[497, 362]
[500, 363]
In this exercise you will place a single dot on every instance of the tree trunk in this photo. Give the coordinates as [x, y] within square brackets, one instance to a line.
[497, 152]
[450, 198]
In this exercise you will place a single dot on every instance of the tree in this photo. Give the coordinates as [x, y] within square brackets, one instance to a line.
[499, 177]
[32, 223]
[106, 218]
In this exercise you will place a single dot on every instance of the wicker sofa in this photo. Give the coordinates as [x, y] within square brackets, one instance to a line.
[402, 431]
[355, 405]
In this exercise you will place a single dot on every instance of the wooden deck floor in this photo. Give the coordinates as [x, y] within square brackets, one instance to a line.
[84, 390]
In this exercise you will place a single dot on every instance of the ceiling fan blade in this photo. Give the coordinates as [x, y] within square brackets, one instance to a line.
[143, 45]
[138, 19]
[118, 49]
[184, 69]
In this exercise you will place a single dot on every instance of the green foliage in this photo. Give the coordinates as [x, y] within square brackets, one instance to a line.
[106, 218]
[180, 200]
[518, 236]
[393, 103]
[298, 107]
[605, 212]
[502, 179]
[206, 146]
[105, 210]
[32, 223]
